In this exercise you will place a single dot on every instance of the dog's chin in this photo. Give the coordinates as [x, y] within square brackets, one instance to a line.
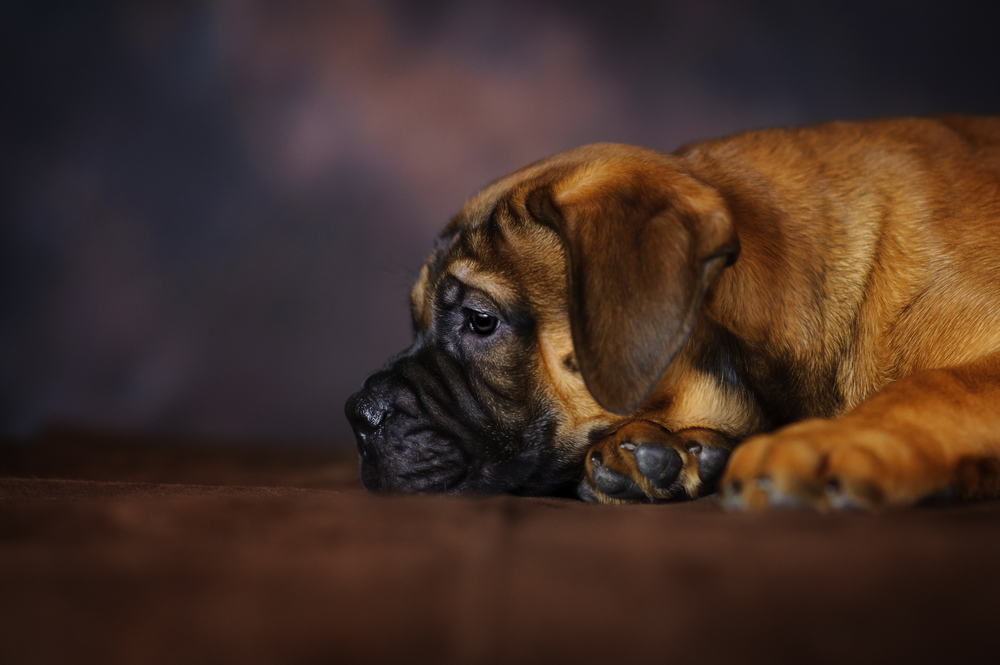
[482, 482]
[428, 463]
[414, 461]
[375, 479]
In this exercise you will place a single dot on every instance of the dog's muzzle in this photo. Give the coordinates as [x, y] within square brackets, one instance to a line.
[401, 448]
[420, 428]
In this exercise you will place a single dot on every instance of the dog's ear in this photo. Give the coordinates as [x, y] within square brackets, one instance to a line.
[644, 241]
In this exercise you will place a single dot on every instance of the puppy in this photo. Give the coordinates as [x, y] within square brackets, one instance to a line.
[614, 321]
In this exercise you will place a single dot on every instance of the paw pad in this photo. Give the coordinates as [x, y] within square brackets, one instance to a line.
[613, 483]
[660, 464]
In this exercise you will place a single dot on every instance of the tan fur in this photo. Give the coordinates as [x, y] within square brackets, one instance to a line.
[865, 301]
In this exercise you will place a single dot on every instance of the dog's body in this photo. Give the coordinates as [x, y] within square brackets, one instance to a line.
[627, 317]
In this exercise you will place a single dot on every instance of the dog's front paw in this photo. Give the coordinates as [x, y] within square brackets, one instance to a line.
[643, 462]
[835, 465]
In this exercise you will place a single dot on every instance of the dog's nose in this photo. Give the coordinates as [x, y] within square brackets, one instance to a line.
[365, 415]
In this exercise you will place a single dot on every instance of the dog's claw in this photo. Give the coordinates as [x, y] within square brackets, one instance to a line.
[776, 498]
[730, 497]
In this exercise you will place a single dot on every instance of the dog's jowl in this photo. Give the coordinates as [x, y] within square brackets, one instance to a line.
[612, 322]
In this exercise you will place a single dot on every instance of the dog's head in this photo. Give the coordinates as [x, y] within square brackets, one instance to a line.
[550, 307]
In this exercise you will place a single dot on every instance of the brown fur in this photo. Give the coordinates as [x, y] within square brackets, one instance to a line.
[831, 294]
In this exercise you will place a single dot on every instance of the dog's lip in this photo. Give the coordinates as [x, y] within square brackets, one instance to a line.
[448, 481]
[448, 470]
[368, 470]
[469, 475]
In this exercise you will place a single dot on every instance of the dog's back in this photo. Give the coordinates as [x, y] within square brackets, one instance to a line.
[875, 244]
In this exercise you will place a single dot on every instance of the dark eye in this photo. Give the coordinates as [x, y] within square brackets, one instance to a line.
[482, 324]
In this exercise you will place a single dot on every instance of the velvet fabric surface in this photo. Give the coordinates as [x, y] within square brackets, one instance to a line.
[118, 549]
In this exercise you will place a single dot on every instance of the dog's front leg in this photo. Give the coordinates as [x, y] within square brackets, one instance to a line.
[644, 462]
[935, 433]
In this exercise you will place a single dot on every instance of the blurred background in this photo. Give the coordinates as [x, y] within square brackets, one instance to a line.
[212, 211]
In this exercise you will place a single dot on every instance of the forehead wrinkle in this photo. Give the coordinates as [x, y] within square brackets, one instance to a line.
[479, 209]
[486, 239]
[493, 224]
[470, 273]
[510, 188]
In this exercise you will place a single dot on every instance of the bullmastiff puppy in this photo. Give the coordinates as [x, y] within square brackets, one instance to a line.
[792, 317]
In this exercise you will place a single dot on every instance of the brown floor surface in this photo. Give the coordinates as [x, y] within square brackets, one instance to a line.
[125, 550]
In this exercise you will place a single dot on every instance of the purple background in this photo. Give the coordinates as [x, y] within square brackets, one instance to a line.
[212, 212]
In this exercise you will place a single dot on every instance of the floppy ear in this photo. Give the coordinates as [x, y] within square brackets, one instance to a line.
[644, 241]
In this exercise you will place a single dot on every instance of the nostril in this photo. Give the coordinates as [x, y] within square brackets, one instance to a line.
[364, 413]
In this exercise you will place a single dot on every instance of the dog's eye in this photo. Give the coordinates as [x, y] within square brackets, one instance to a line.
[482, 324]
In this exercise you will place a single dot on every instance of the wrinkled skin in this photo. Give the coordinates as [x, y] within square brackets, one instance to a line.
[802, 317]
